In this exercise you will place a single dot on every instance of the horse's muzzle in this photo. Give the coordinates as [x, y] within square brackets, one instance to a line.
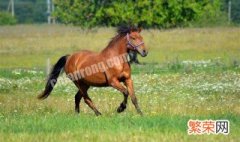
[143, 53]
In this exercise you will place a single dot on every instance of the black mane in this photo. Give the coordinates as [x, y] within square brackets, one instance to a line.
[123, 30]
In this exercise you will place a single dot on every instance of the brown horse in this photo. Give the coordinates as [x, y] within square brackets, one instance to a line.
[110, 67]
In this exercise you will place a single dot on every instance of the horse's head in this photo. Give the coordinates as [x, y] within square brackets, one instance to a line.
[135, 42]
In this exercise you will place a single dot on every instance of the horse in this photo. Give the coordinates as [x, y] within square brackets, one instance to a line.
[110, 67]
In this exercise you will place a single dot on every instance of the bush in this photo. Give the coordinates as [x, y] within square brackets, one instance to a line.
[154, 13]
[7, 19]
[212, 15]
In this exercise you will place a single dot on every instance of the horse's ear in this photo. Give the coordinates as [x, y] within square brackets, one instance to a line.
[139, 29]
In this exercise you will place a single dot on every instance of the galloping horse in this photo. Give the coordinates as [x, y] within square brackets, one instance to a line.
[107, 68]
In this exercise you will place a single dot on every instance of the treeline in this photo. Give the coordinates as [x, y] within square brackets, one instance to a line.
[26, 11]
[147, 13]
[235, 9]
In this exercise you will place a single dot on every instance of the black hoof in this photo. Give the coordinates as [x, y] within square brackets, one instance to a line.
[77, 111]
[121, 108]
[98, 113]
[140, 112]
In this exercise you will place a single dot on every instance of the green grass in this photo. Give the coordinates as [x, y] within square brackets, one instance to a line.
[28, 119]
[115, 128]
[188, 74]
[167, 107]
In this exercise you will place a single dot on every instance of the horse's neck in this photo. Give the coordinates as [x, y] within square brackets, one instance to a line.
[117, 49]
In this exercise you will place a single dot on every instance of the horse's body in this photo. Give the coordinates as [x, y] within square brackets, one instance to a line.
[86, 68]
[75, 63]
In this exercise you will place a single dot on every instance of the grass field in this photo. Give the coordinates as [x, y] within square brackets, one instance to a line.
[188, 74]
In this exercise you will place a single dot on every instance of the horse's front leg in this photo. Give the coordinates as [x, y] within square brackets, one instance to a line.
[117, 85]
[123, 105]
[129, 84]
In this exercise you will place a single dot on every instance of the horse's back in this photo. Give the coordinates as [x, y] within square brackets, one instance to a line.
[78, 59]
[81, 62]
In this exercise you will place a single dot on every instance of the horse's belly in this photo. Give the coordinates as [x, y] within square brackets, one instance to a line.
[98, 79]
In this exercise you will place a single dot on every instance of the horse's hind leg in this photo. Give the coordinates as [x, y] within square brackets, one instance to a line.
[78, 98]
[83, 88]
[89, 102]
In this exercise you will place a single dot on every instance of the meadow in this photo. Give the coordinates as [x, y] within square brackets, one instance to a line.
[191, 73]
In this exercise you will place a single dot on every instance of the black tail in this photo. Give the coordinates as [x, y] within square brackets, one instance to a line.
[52, 79]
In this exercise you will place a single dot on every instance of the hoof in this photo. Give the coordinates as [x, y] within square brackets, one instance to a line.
[98, 113]
[140, 112]
[77, 111]
[121, 108]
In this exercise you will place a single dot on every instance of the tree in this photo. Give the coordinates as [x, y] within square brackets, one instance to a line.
[27, 11]
[154, 13]
[235, 9]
